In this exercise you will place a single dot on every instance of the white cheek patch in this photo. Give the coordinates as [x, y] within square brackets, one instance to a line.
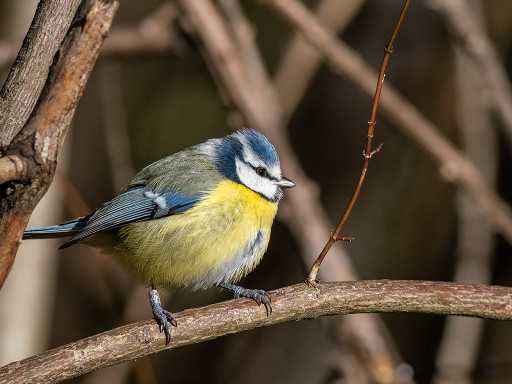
[252, 180]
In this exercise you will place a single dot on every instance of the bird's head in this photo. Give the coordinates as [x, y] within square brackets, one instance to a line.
[248, 158]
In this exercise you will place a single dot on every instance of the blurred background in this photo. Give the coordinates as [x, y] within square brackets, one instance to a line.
[152, 94]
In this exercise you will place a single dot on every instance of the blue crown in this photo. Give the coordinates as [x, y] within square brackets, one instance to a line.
[228, 148]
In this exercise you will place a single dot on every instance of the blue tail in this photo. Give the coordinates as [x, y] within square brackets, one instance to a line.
[53, 231]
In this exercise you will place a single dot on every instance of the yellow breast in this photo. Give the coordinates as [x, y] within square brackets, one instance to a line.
[220, 239]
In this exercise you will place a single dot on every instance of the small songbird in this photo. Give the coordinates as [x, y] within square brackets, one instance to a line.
[198, 218]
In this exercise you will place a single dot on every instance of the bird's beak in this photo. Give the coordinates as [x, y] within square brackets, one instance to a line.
[285, 183]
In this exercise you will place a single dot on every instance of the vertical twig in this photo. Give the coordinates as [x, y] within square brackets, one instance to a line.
[367, 154]
[453, 165]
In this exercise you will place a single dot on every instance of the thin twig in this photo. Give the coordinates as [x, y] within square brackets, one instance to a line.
[368, 153]
[454, 166]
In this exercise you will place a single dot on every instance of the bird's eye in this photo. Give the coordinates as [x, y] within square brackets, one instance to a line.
[261, 171]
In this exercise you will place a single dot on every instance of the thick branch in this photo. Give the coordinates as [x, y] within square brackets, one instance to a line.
[40, 141]
[292, 303]
[30, 70]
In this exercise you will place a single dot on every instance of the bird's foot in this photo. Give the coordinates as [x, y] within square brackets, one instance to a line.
[258, 295]
[163, 318]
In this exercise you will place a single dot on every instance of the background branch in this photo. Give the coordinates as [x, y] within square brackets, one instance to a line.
[470, 36]
[300, 61]
[154, 35]
[457, 356]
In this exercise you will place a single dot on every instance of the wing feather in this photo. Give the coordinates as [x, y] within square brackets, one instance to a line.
[135, 204]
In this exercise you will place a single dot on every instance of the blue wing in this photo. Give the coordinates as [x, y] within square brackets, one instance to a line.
[61, 230]
[135, 204]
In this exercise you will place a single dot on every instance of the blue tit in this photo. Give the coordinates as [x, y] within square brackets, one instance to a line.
[198, 218]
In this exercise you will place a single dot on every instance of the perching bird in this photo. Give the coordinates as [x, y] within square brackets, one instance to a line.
[198, 218]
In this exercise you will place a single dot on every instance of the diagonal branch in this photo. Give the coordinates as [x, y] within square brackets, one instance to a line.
[28, 75]
[37, 145]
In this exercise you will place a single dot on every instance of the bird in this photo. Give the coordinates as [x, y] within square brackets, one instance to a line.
[196, 219]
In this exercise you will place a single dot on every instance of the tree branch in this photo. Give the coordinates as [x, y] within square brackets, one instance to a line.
[300, 61]
[28, 75]
[297, 302]
[12, 168]
[463, 338]
[40, 141]
[153, 35]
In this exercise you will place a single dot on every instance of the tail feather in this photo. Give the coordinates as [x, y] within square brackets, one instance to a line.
[54, 231]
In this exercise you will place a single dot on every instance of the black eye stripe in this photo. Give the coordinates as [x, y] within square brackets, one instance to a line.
[267, 175]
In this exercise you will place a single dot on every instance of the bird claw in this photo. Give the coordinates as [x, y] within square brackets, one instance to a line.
[163, 318]
[258, 295]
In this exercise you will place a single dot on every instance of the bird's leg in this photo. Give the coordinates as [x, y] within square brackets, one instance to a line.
[258, 295]
[162, 317]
